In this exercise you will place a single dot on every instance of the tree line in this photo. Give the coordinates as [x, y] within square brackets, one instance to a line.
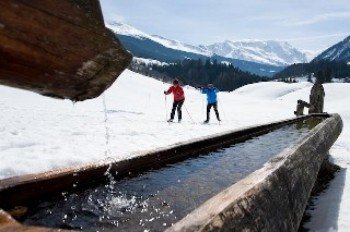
[324, 70]
[199, 73]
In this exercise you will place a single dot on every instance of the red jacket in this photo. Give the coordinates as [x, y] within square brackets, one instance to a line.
[178, 92]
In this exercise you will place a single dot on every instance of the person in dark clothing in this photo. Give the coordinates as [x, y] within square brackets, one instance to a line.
[211, 93]
[179, 99]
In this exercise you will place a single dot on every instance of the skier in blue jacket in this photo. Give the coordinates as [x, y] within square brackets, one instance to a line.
[211, 93]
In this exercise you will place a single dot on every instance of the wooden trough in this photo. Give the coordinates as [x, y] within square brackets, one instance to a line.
[23, 190]
[60, 48]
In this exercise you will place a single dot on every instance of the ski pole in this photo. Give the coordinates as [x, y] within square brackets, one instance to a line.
[188, 113]
[203, 104]
[222, 109]
[166, 108]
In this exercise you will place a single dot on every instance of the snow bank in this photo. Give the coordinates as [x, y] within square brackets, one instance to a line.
[270, 90]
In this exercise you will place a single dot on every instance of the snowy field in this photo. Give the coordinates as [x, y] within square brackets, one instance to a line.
[39, 133]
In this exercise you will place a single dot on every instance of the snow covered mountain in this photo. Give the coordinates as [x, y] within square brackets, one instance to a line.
[267, 52]
[263, 58]
[338, 52]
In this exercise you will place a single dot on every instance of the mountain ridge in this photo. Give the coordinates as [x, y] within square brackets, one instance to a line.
[269, 52]
[127, 30]
[338, 52]
[149, 49]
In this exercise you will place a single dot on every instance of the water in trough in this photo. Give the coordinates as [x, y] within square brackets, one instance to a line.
[155, 199]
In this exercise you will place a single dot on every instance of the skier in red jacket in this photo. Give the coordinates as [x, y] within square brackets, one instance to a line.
[179, 98]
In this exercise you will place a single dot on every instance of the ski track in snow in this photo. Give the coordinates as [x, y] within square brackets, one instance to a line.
[40, 134]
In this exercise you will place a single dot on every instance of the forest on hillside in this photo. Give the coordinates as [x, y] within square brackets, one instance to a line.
[199, 73]
[327, 70]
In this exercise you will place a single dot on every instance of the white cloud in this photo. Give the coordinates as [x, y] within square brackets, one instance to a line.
[320, 18]
[317, 37]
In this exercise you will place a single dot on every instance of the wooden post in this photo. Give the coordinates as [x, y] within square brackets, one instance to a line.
[300, 107]
[317, 98]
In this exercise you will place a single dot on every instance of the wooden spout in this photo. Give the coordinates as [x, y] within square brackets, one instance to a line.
[58, 48]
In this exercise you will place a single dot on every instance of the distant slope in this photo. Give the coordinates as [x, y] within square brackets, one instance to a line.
[338, 52]
[147, 48]
[129, 31]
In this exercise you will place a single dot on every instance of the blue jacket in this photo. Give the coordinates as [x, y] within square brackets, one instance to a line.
[211, 94]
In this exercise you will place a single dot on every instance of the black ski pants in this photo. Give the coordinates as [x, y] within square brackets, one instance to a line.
[177, 105]
[215, 105]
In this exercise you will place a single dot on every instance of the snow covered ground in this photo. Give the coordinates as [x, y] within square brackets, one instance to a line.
[148, 62]
[39, 133]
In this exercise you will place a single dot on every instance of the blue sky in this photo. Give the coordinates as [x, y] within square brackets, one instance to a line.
[308, 25]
